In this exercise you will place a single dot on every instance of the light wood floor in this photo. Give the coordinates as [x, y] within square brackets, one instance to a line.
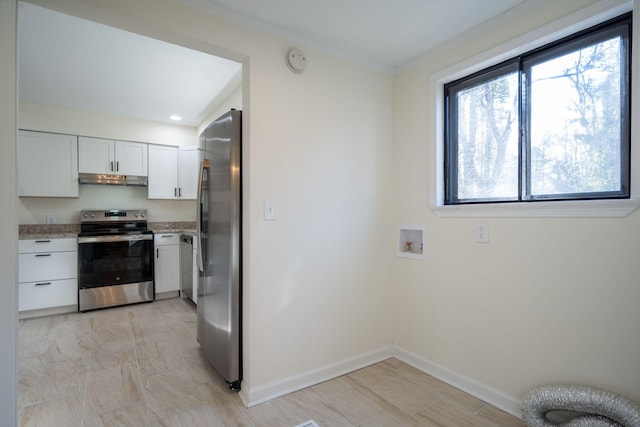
[141, 366]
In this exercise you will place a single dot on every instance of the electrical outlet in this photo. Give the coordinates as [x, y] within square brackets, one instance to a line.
[51, 219]
[482, 232]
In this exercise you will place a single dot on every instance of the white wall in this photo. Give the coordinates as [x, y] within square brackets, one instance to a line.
[233, 100]
[46, 118]
[546, 301]
[9, 222]
[34, 210]
[316, 288]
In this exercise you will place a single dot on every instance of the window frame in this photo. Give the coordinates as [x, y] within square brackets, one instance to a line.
[522, 66]
[451, 150]
[583, 19]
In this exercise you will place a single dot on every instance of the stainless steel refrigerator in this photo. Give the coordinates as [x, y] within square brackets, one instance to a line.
[219, 250]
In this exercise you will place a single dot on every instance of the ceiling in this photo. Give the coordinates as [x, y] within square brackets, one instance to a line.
[382, 33]
[74, 63]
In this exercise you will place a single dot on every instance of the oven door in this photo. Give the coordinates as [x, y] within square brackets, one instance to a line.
[114, 270]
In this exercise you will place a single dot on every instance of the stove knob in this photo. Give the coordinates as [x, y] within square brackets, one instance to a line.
[93, 215]
[85, 215]
[136, 214]
[142, 214]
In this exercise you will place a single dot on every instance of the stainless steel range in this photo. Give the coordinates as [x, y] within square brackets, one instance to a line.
[115, 258]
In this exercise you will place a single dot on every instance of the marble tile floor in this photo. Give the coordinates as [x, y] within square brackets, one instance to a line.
[141, 365]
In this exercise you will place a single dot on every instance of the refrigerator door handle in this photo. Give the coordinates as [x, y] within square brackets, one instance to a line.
[204, 165]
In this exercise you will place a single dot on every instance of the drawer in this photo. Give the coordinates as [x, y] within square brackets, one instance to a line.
[47, 245]
[162, 239]
[56, 293]
[47, 266]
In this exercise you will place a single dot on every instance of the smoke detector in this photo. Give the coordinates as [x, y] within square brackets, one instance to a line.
[296, 60]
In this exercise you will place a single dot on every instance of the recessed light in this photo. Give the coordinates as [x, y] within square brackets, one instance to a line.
[175, 117]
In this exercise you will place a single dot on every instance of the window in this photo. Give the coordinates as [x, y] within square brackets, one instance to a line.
[551, 124]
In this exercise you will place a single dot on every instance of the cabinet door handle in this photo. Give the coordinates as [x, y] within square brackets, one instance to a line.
[111, 166]
[43, 241]
[175, 192]
[117, 166]
[179, 192]
[38, 255]
[166, 235]
[43, 284]
[157, 253]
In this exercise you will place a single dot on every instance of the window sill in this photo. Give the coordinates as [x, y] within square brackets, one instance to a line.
[560, 209]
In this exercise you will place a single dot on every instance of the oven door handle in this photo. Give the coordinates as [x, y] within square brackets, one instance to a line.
[115, 238]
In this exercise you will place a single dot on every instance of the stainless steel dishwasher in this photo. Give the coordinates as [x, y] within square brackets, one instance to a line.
[186, 266]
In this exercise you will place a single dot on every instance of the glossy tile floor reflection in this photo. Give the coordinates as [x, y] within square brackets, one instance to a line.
[141, 366]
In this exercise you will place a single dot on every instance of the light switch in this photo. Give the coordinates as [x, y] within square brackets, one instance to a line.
[270, 211]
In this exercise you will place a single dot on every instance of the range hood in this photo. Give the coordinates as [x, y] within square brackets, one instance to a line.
[95, 178]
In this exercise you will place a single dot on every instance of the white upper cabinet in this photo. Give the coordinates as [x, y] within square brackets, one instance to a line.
[47, 165]
[173, 172]
[110, 157]
[96, 155]
[163, 172]
[131, 158]
[188, 172]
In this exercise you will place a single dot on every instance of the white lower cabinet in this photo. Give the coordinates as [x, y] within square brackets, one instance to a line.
[167, 262]
[47, 294]
[47, 273]
[51, 265]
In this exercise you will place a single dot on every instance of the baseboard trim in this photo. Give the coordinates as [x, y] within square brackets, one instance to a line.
[264, 393]
[483, 392]
[39, 312]
[166, 295]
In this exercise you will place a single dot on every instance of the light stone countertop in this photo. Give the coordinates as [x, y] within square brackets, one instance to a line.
[48, 231]
[65, 231]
